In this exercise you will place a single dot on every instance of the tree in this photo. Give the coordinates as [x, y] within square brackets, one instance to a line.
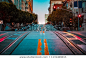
[4, 9]
[9, 13]
[60, 15]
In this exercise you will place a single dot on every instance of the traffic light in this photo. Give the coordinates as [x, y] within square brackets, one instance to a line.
[80, 26]
[70, 20]
[79, 15]
[54, 8]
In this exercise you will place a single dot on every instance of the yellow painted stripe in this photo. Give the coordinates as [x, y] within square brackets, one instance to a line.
[39, 47]
[46, 48]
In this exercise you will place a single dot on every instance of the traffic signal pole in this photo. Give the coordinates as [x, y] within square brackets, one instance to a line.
[78, 23]
[78, 13]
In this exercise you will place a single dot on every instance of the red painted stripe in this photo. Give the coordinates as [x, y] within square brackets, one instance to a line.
[2, 34]
[2, 39]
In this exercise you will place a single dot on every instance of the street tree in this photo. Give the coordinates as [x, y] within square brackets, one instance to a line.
[60, 15]
[4, 10]
[9, 13]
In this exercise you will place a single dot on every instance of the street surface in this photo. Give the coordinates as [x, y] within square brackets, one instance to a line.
[45, 42]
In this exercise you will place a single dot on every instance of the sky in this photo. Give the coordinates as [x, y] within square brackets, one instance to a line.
[40, 7]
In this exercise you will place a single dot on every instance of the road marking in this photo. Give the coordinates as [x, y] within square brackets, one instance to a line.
[46, 47]
[43, 32]
[39, 47]
[2, 39]
[6, 48]
[2, 34]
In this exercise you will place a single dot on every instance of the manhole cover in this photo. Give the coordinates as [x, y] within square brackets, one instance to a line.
[78, 42]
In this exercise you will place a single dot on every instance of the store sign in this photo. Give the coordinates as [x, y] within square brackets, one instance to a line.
[1, 21]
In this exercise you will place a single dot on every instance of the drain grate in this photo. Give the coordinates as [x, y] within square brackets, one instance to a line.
[78, 42]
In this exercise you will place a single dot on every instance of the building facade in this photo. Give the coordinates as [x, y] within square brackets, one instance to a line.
[29, 6]
[70, 5]
[52, 2]
[46, 16]
[24, 5]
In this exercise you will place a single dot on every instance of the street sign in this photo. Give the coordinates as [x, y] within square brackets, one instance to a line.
[1, 21]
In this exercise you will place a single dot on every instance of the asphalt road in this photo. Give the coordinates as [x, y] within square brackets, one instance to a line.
[41, 43]
[49, 41]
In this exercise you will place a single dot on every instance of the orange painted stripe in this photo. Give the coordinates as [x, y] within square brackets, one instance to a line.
[39, 47]
[43, 32]
[46, 47]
